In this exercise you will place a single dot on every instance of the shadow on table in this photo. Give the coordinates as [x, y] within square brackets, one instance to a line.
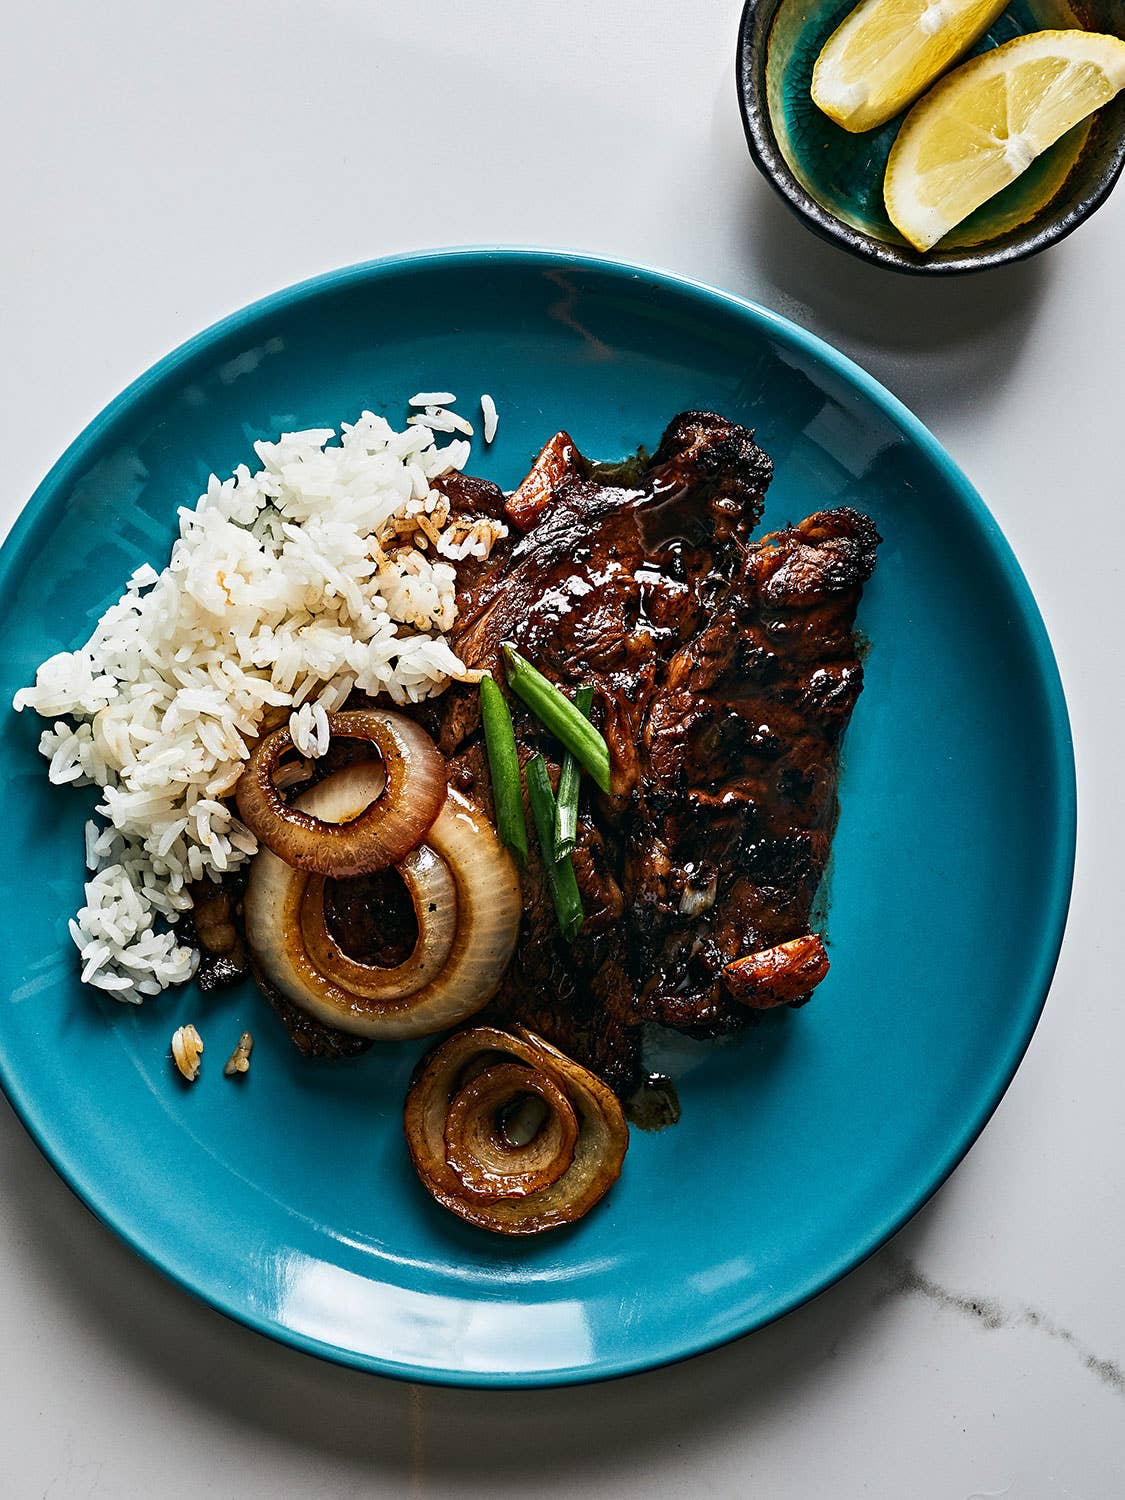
[222, 1371]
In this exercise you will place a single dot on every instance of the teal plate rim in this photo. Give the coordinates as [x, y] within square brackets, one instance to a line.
[117, 1217]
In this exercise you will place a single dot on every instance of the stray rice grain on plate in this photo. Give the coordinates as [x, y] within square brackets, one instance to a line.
[187, 1049]
[490, 417]
[239, 1060]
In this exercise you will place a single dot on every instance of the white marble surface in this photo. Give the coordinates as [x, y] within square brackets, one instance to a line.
[156, 157]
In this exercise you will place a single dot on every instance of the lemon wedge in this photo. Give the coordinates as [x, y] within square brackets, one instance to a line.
[984, 124]
[887, 52]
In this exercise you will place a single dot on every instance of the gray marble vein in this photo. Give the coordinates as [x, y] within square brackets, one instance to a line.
[905, 1280]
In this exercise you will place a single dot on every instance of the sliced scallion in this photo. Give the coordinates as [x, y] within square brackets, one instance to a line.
[570, 780]
[558, 714]
[560, 874]
[504, 768]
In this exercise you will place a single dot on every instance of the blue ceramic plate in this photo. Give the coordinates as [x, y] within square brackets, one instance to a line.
[287, 1200]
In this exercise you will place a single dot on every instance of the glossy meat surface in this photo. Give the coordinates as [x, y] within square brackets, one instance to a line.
[724, 672]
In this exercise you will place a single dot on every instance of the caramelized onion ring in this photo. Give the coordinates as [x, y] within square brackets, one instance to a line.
[487, 1161]
[411, 1004]
[434, 894]
[454, 1120]
[374, 836]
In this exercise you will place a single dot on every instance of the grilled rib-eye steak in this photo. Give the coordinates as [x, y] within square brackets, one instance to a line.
[724, 673]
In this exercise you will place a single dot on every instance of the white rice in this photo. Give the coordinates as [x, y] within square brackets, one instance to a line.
[308, 726]
[433, 398]
[437, 419]
[488, 413]
[330, 568]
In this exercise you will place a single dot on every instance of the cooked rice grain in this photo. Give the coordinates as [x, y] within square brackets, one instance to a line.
[490, 418]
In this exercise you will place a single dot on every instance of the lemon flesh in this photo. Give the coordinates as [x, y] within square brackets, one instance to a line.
[886, 52]
[987, 122]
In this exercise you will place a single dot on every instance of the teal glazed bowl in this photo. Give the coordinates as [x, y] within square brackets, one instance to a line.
[834, 180]
[287, 1199]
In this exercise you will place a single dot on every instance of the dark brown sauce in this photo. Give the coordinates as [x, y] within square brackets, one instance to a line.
[654, 1104]
[372, 918]
[676, 513]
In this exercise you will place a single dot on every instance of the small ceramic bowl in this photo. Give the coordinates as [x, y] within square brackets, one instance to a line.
[834, 179]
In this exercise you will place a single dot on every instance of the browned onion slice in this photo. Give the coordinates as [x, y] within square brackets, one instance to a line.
[374, 836]
[459, 1101]
[412, 999]
[433, 893]
[488, 1162]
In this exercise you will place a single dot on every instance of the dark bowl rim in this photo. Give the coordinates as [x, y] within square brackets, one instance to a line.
[1019, 244]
